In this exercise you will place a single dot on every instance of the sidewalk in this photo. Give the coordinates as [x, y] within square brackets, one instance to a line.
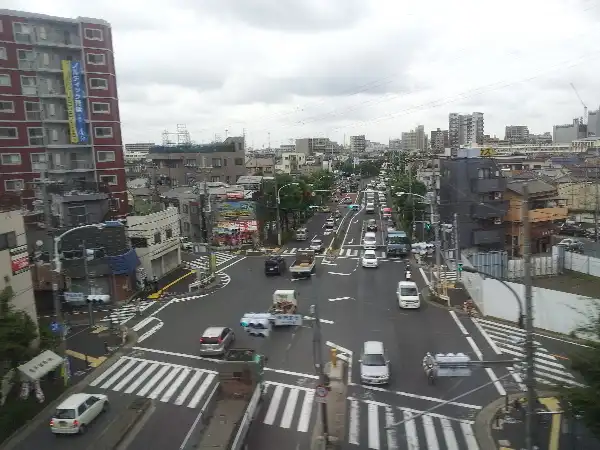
[497, 429]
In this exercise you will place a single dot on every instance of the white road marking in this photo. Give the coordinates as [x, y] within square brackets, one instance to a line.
[421, 397]
[295, 374]
[354, 423]
[339, 299]
[288, 412]
[306, 411]
[338, 273]
[373, 426]
[410, 429]
[274, 405]
[462, 328]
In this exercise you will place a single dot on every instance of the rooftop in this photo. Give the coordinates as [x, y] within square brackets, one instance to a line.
[534, 186]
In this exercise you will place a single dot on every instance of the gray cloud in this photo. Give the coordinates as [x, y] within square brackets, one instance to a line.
[286, 15]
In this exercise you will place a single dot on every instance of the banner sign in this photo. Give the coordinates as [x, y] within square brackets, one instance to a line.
[19, 259]
[75, 93]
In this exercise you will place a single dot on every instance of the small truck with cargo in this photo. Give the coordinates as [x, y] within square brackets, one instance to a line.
[234, 403]
[282, 312]
[304, 264]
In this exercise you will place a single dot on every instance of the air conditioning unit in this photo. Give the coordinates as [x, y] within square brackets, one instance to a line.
[497, 221]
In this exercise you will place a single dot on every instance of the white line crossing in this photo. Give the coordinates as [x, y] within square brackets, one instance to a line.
[203, 263]
[377, 426]
[447, 275]
[157, 380]
[289, 406]
[127, 312]
[344, 252]
[509, 339]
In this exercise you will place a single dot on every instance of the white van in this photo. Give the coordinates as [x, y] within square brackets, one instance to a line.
[408, 295]
[77, 412]
[301, 234]
[370, 241]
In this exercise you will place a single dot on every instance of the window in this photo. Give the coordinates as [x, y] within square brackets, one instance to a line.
[5, 80]
[14, 185]
[216, 162]
[8, 240]
[92, 34]
[186, 227]
[157, 239]
[239, 161]
[8, 133]
[7, 106]
[78, 214]
[109, 179]
[33, 111]
[3, 54]
[224, 162]
[190, 162]
[26, 59]
[28, 85]
[103, 132]
[185, 209]
[215, 179]
[11, 159]
[100, 108]
[96, 59]
[168, 233]
[42, 33]
[38, 161]
[99, 83]
[36, 136]
[105, 156]
[22, 32]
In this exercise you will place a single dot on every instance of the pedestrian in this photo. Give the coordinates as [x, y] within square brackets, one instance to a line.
[155, 283]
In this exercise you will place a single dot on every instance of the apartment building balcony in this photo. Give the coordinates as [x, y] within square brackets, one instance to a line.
[490, 236]
[489, 209]
[485, 185]
[71, 166]
[538, 215]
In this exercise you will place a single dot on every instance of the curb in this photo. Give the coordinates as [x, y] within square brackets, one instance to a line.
[483, 421]
[24, 431]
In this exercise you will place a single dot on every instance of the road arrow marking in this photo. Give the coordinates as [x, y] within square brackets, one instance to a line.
[339, 298]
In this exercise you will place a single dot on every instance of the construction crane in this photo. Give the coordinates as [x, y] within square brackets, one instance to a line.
[585, 109]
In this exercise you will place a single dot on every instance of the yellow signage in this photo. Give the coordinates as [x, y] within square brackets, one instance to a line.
[488, 152]
[68, 80]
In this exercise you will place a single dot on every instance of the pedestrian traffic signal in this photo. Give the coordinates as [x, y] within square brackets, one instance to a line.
[258, 325]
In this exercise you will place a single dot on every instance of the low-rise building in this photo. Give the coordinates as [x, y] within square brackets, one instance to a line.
[258, 165]
[290, 163]
[155, 238]
[545, 209]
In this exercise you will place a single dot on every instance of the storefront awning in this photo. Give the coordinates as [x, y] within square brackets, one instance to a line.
[39, 366]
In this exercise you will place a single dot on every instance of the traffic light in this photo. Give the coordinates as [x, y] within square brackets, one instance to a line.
[258, 325]
[428, 226]
[460, 267]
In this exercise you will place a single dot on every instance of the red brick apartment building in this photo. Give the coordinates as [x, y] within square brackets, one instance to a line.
[59, 110]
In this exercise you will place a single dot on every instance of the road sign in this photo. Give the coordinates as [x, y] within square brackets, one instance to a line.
[321, 392]
[75, 297]
[55, 327]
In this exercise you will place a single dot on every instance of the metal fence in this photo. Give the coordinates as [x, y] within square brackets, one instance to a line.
[499, 265]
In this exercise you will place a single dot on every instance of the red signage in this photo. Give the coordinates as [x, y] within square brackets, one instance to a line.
[19, 259]
[238, 195]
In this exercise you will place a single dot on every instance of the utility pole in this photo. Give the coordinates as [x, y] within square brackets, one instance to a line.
[207, 214]
[318, 360]
[435, 221]
[87, 284]
[457, 256]
[529, 345]
[412, 220]
[277, 213]
[597, 205]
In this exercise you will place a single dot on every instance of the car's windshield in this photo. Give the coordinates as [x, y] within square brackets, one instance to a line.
[373, 360]
[370, 256]
[398, 240]
[316, 242]
[409, 292]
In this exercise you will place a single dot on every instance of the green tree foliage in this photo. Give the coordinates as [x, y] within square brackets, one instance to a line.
[17, 332]
[407, 203]
[367, 169]
[585, 401]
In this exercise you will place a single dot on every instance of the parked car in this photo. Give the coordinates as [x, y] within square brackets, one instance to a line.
[572, 245]
[215, 341]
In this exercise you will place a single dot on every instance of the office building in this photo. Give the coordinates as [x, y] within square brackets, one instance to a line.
[565, 134]
[137, 152]
[187, 164]
[58, 104]
[311, 146]
[516, 134]
[473, 188]
[465, 129]
[358, 144]
[439, 140]
[415, 139]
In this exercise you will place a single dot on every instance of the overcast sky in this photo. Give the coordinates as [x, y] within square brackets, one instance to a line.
[335, 68]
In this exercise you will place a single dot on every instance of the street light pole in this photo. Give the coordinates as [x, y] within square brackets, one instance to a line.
[278, 200]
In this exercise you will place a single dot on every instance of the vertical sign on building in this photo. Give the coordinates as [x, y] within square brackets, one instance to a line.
[75, 93]
[79, 101]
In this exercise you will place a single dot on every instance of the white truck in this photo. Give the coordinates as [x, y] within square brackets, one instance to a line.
[284, 310]
[304, 264]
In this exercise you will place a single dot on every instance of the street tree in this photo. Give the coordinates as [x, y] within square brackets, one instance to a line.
[584, 401]
[17, 334]
[406, 204]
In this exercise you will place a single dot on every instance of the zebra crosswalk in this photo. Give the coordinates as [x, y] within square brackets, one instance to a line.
[376, 426]
[509, 340]
[203, 263]
[124, 314]
[447, 275]
[288, 406]
[343, 253]
[165, 382]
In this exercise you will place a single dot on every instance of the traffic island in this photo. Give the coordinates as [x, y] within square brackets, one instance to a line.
[336, 410]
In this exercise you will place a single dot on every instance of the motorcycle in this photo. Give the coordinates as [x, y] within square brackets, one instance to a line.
[408, 275]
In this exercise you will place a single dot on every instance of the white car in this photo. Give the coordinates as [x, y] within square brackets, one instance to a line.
[408, 295]
[374, 365]
[316, 245]
[369, 259]
[370, 241]
[77, 412]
